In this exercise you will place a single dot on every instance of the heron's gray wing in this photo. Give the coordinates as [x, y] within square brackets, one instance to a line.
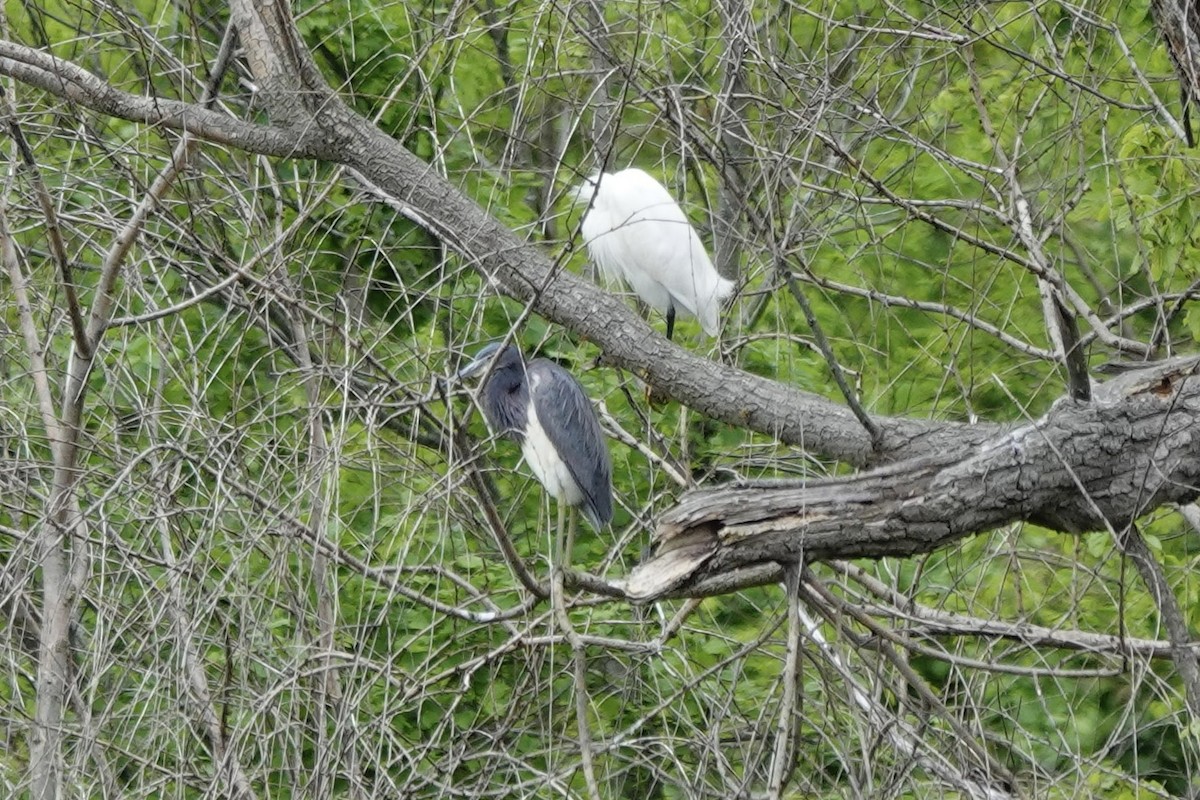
[570, 423]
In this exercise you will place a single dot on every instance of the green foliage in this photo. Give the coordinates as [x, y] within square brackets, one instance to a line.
[222, 530]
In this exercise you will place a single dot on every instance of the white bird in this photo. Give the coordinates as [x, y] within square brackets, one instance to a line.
[636, 232]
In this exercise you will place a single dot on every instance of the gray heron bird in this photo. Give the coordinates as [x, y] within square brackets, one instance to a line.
[636, 233]
[542, 406]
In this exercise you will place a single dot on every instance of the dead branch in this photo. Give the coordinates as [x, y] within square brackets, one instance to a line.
[1081, 467]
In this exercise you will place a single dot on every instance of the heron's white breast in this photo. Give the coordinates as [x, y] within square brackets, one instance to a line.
[543, 459]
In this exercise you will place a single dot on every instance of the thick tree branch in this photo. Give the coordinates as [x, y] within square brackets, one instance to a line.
[222, 660]
[523, 272]
[1082, 467]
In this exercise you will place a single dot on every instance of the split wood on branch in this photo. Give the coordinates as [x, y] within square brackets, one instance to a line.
[1082, 467]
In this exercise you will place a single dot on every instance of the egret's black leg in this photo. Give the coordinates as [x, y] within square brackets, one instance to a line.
[670, 320]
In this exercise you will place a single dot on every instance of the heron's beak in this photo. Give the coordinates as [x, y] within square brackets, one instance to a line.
[481, 360]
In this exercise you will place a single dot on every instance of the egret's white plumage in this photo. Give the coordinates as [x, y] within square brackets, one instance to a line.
[636, 232]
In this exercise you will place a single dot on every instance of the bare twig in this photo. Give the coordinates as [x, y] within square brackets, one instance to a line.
[53, 231]
[870, 425]
[196, 688]
[944, 623]
[902, 735]
[996, 772]
[579, 672]
[900, 301]
[485, 493]
[732, 103]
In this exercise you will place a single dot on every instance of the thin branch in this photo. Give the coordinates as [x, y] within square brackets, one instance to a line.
[672, 470]
[579, 675]
[58, 249]
[900, 301]
[1060, 324]
[196, 687]
[835, 367]
[991, 766]
[386, 577]
[732, 103]
[63, 79]
[33, 346]
[485, 493]
[320, 466]
[905, 738]
[943, 623]
[1183, 654]
[1070, 296]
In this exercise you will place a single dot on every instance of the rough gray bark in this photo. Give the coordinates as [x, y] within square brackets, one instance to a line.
[1082, 467]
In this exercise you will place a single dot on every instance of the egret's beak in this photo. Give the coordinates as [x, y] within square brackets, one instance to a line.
[584, 192]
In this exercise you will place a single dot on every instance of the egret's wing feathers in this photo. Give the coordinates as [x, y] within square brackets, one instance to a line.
[567, 417]
[676, 258]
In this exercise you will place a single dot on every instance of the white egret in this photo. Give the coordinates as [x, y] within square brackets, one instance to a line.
[636, 232]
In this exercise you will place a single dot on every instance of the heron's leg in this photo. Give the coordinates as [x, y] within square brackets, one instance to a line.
[564, 539]
[572, 521]
[653, 399]
[561, 555]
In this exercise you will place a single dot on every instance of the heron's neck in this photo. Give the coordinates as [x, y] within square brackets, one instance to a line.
[508, 404]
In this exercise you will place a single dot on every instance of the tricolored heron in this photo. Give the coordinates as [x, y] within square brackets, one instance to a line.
[636, 232]
[541, 406]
